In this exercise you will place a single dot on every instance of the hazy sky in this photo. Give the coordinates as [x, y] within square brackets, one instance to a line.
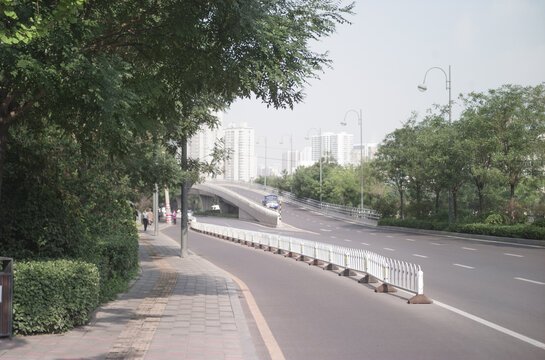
[381, 57]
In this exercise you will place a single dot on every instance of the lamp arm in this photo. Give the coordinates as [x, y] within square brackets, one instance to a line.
[444, 73]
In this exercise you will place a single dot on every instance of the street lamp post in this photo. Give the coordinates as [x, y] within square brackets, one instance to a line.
[257, 142]
[360, 122]
[290, 158]
[320, 135]
[422, 87]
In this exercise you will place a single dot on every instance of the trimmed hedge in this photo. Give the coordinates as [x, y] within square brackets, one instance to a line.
[512, 231]
[53, 296]
[116, 257]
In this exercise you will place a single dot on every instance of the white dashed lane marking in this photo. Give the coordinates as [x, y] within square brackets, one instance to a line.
[422, 256]
[364, 243]
[433, 243]
[467, 248]
[389, 249]
[464, 266]
[347, 240]
[515, 255]
[530, 281]
[409, 239]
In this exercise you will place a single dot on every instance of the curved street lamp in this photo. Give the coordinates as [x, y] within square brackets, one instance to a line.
[422, 87]
[360, 122]
[307, 138]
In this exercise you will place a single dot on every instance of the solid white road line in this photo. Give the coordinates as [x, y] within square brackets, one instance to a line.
[492, 325]
[530, 281]
[422, 256]
[515, 255]
[466, 248]
[464, 266]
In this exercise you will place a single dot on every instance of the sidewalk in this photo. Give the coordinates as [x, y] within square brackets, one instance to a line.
[177, 309]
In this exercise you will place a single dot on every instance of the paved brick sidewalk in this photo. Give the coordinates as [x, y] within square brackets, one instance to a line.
[177, 309]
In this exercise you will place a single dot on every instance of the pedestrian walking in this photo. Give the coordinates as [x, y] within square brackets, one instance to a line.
[174, 217]
[145, 219]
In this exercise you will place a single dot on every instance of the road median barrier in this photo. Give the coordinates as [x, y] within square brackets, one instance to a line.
[391, 273]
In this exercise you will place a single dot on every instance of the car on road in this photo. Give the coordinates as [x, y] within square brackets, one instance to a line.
[271, 202]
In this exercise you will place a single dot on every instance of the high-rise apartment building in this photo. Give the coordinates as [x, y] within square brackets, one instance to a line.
[239, 141]
[337, 147]
[201, 145]
[290, 161]
[369, 151]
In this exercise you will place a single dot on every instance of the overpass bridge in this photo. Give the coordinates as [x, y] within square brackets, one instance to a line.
[230, 202]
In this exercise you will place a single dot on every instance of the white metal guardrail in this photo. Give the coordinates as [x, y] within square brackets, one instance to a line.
[393, 272]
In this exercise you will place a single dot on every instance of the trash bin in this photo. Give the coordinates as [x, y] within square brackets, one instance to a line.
[6, 296]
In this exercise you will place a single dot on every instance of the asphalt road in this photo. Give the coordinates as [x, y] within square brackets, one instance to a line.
[499, 282]
[315, 314]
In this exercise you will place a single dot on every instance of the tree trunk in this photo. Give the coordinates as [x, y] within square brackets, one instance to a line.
[455, 203]
[402, 205]
[3, 150]
[512, 204]
[437, 198]
[185, 190]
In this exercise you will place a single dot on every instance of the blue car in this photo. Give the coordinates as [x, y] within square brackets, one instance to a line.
[271, 202]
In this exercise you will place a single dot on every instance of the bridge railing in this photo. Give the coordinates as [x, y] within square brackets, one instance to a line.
[401, 274]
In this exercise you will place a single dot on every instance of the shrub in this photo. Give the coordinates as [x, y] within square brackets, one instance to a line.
[513, 231]
[53, 296]
[116, 257]
[495, 219]
[539, 223]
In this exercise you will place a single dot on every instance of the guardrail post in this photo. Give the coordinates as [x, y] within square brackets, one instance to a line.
[302, 257]
[420, 298]
[367, 279]
[385, 287]
[347, 271]
[330, 266]
[316, 261]
[291, 253]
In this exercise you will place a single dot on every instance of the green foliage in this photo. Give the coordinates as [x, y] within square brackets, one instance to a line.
[386, 206]
[53, 296]
[414, 223]
[513, 231]
[539, 223]
[116, 258]
[495, 219]
[41, 211]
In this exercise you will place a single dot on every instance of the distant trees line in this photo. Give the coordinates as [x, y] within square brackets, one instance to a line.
[491, 161]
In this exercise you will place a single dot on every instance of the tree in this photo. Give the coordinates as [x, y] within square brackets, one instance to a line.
[115, 71]
[393, 159]
[515, 117]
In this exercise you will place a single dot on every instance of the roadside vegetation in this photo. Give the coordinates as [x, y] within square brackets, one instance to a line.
[491, 161]
[96, 98]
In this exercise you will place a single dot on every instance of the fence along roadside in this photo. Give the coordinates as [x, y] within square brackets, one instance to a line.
[390, 272]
